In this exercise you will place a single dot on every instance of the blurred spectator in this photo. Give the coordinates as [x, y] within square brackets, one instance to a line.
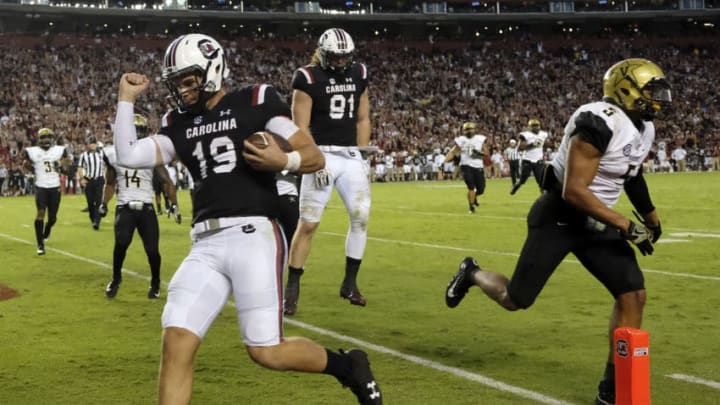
[428, 88]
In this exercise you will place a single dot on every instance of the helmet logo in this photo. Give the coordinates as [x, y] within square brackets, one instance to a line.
[208, 49]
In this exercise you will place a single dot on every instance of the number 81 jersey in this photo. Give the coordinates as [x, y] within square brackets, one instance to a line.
[336, 97]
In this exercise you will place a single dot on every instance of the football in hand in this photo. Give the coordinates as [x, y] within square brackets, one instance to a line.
[261, 140]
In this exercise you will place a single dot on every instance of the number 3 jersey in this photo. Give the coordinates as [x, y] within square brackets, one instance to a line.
[132, 184]
[210, 145]
[623, 146]
[335, 101]
[46, 164]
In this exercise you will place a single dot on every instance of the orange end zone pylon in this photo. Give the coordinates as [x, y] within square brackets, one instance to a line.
[632, 366]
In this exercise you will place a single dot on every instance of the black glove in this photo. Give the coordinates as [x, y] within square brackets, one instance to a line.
[175, 212]
[656, 229]
[641, 237]
[102, 210]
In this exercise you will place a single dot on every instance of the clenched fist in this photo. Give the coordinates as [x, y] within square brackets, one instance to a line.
[131, 86]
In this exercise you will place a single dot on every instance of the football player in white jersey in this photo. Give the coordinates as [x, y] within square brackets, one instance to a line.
[46, 159]
[601, 154]
[472, 148]
[531, 144]
[134, 210]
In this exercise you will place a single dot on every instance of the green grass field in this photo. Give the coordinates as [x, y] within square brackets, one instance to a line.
[63, 342]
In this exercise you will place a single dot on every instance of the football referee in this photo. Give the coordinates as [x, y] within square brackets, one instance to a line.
[91, 170]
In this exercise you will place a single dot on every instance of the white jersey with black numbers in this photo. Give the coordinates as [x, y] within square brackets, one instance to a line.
[46, 165]
[132, 184]
[471, 150]
[624, 147]
[535, 142]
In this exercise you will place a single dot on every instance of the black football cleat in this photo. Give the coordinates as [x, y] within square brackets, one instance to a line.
[41, 250]
[353, 295]
[153, 293]
[461, 282]
[606, 393]
[112, 289]
[361, 381]
[292, 294]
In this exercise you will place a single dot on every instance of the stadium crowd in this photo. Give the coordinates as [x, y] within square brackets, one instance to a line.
[421, 93]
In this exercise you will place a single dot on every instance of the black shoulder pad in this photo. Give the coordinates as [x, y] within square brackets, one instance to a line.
[593, 129]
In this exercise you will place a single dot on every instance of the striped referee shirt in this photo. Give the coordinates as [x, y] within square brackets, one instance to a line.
[92, 163]
[512, 153]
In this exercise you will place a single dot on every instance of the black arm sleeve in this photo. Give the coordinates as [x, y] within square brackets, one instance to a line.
[637, 191]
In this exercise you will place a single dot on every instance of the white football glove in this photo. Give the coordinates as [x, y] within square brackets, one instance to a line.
[102, 210]
[323, 178]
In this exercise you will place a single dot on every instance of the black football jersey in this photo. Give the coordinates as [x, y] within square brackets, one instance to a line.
[336, 97]
[210, 145]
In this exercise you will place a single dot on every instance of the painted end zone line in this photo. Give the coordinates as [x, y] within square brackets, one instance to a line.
[498, 385]
[695, 380]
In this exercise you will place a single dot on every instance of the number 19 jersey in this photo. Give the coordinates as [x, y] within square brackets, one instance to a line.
[210, 145]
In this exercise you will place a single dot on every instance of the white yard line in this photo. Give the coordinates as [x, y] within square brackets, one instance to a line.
[695, 235]
[497, 253]
[487, 381]
[695, 380]
[498, 385]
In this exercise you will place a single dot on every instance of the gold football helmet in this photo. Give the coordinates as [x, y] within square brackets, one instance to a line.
[468, 127]
[141, 126]
[46, 138]
[534, 125]
[638, 86]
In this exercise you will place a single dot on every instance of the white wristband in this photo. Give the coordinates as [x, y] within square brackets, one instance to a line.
[294, 161]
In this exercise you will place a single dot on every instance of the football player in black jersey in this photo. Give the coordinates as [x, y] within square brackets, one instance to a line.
[601, 154]
[330, 101]
[238, 247]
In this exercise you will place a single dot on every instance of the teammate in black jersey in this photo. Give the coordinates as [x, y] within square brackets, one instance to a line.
[238, 247]
[331, 102]
[601, 154]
